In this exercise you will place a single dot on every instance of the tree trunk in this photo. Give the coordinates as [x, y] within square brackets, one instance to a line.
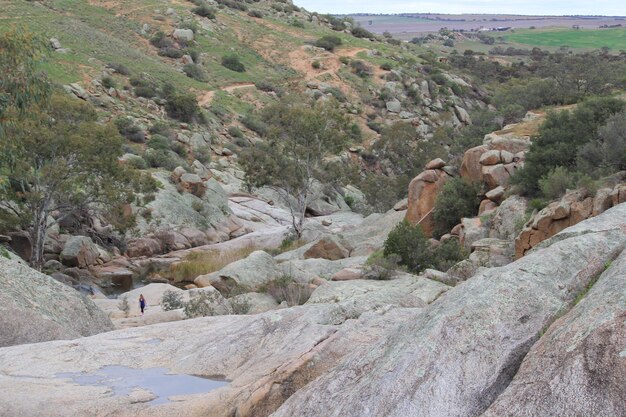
[38, 236]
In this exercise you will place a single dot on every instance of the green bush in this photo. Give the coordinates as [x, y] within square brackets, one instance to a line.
[359, 32]
[316, 64]
[457, 199]
[194, 71]
[387, 66]
[255, 124]
[171, 52]
[172, 300]
[233, 63]
[556, 182]
[108, 82]
[410, 244]
[256, 13]
[129, 130]
[183, 107]
[201, 304]
[160, 40]
[119, 68]
[162, 158]
[145, 91]
[159, 142]
[562, 137]
[328, 42]
[235, 132]
[361, 69]
[204, 11]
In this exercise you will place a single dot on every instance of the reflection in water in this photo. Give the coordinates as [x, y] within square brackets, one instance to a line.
[122, 380]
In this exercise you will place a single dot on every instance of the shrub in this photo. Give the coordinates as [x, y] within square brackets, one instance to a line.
[145, 91]
[233, 63]
[286, 289]
[136, 162]
[344, 60]
[410, 244]
[387, 66]
[119, 68]
[359, 32]
[172, 300]
[159, 142]
[316, 64]
[171, 52]
[328, 42]
[201, 304]
[160, 40]
[204, 11]
[381, 267]
[361, 69]
[458, 199]
[255, 124]
[202, 154]
[183, 107]
[256, 13]
[240, 305]
[124, 306]
[556, 182]
[161, 158]
[235, 132]
[194, 71]
[108, 82]
[264, 85]
[297, 23]
[129, 130]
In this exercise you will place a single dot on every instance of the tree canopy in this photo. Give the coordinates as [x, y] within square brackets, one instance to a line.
[297, 150]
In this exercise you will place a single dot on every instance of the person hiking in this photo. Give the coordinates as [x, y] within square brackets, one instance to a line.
[142, 303]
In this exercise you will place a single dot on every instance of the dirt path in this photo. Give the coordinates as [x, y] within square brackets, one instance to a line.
[206, 98]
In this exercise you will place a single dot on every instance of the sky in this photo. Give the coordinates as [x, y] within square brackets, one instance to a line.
[527, 7]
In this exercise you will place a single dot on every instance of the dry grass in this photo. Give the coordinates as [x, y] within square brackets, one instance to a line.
[202, 263]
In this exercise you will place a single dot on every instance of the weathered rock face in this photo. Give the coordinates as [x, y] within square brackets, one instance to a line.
[573, 208]
[36, 308]
[423, 191]
[327, 248]
[578, 368]
[462, 351]
[79, 251]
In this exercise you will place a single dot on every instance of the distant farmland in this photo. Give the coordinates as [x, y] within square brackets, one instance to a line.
[406, 26]
[615, 39]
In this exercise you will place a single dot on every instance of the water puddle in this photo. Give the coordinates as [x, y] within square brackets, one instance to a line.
[122, 380]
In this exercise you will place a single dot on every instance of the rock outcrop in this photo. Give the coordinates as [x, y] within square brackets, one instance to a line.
[578, 367]
[36, 308]
[423, 191]
[573, 208]
[461, 352]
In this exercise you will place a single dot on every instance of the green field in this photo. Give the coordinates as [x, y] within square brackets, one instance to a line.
[614, 39]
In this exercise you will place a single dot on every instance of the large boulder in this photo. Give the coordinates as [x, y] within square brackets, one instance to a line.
[463, 350]
[79, 251]
[250, 273]
[405, 291]
[329, 248]
[578, 367]
[423, 191]
[34, 308]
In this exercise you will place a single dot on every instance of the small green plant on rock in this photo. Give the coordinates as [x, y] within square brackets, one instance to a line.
[201, 304]
[172, 300]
